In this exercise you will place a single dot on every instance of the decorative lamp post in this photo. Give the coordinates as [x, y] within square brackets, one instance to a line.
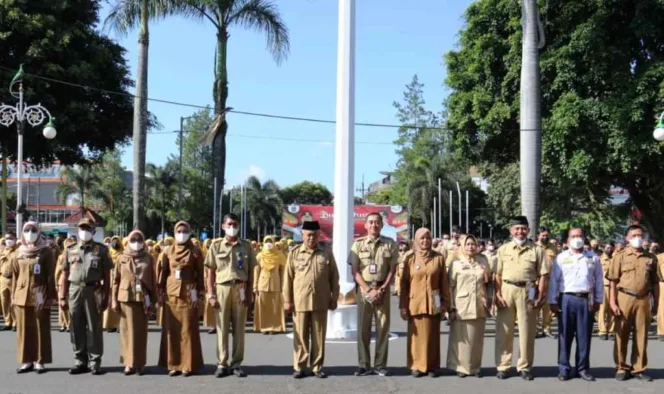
[19, 114]
[659, 129]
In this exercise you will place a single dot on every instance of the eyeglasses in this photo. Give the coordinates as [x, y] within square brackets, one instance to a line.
[135, 240]
[30, 230]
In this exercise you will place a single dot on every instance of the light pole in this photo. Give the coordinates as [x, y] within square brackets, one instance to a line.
[34, 115]
[659, 129]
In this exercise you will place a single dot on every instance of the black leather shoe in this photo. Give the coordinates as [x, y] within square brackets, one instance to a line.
[14, 328]
[221, 372]
[622, 376]
[212, 331]
[461, 375]
[643, 377]
[129, 371]
[320, 375]
[502, 375]
[95, 369]
[40, 371]
[186, 374]
[585, 375]
[62, 329]
[173, 373]
[417, 374]
[6, 328]
[526, 375]
[551, 335]
[298, 375]
[432, 374]
[362, 372]
[563, 377]
[79, 369]
[239, 373]
[26, 369]
[604, 337]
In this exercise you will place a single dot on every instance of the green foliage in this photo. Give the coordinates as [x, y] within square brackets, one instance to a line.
[264, 206]
[59, 39]
[381, 197]
[80, 181]
[306, 193]
[111, 193]
[603, 86]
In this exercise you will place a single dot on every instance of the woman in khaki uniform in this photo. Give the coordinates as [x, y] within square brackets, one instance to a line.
[424, 297]
[468, 275]
[63, 315]
[268, 276]
[181, 288]
[134, 294]
[111, 317]
[33, 292]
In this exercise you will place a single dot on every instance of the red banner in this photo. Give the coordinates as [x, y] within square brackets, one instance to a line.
[395, 220]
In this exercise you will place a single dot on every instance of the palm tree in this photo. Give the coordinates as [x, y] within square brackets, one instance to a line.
[263, 204]
[161, 197]
[80, 181]
[261, 15]
[531, 116]
[124, 16]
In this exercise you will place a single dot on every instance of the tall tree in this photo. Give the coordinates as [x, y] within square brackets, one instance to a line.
[161, 196]
[77, 182]
[59, 40]
[603, 87]
[112, 193]
[126, 15]
[306, 192]
[261, 15]
[263, 204]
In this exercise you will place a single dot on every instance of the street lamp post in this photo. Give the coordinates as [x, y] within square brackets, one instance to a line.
[19, 114]
[659, 129]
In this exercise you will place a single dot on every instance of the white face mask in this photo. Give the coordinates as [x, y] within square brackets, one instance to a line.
[84, 235]
[576, 243]
[269, 245]
[519, 242]
[136, 246]
[490, 248]
[231, 231]
[31, 237]
[181, 238]
[9, 243]
[636, 242]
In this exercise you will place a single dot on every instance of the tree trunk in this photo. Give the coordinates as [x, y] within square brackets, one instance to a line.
[140, 119]
[531, 117]
[221, 92]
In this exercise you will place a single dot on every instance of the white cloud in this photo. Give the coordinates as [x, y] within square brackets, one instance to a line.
[257, 172]
[240, 176]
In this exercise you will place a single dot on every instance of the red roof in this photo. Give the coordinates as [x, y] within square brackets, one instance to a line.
[89, 213]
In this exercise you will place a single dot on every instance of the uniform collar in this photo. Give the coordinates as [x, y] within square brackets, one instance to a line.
[527, 245]
[371, 240]
[305, 249]
[225, 241]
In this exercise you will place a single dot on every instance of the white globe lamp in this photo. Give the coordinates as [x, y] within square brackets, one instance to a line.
[49, 130]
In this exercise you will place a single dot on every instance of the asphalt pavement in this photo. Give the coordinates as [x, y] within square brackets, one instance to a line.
[268, 362]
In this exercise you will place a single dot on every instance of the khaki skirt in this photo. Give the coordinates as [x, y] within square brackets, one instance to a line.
[464, 353]
[269, 312]
[423, 347]
[33, 335]
[133, 334]
[180, 348]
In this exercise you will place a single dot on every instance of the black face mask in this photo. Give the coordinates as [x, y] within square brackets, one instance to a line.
[115, 244]
[544, 240]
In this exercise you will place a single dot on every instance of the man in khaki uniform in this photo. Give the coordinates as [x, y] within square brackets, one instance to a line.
[6, 282]
[633, 276]
[544, 314]
[521, 286]
[374, 259]
[85, 290]
[492, 257]
[403, 249]
[311, 288]
[660, 304]
[605, 323]
[230, 264]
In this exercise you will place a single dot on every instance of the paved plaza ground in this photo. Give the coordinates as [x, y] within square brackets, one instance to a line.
[268, 362]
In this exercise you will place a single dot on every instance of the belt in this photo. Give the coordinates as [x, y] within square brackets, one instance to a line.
[84, 284]
[517, 284]
[232, 282]
[629, 293]
[580, 295]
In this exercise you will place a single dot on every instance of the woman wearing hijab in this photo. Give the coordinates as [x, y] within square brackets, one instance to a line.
[33, 273]
[111, 317]
[468, 276]
[181, 288]
[63, 315]
[424, 297]
[134, 294]
[268, 277]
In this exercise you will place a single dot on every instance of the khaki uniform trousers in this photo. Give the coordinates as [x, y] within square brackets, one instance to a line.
[309, 325]
[86, 332]
[366, 312]
[544, 317]
[7, 310]
[606, 323]
[231, 317]
[635, 318]
[516, 299]
[660, 310]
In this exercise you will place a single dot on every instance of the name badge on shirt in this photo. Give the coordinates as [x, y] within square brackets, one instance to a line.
[373, 268]
[95, 263]
[139, 288]
[178, 274]
[36, 269]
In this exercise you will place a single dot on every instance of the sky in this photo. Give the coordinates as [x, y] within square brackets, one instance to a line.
[395, 39]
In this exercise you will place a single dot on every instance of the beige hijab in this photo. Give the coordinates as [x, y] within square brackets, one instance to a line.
[419, 234]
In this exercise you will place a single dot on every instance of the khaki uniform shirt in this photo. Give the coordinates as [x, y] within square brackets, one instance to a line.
[6, 255]
[32, 275]
[180, 276]
[134, 278]
[231, 261]
[492, 258]
[606, 263]
[311, 279]
[374, 259]
[634, 271]
[268, 281]
[550, 252]
[467, 283]
[86, 263]
[660, 266]
[424, 278]
[521, 263]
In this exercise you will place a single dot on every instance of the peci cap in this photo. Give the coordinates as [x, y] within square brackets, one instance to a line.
[311, 225]
[519, 221]
[85, 222]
